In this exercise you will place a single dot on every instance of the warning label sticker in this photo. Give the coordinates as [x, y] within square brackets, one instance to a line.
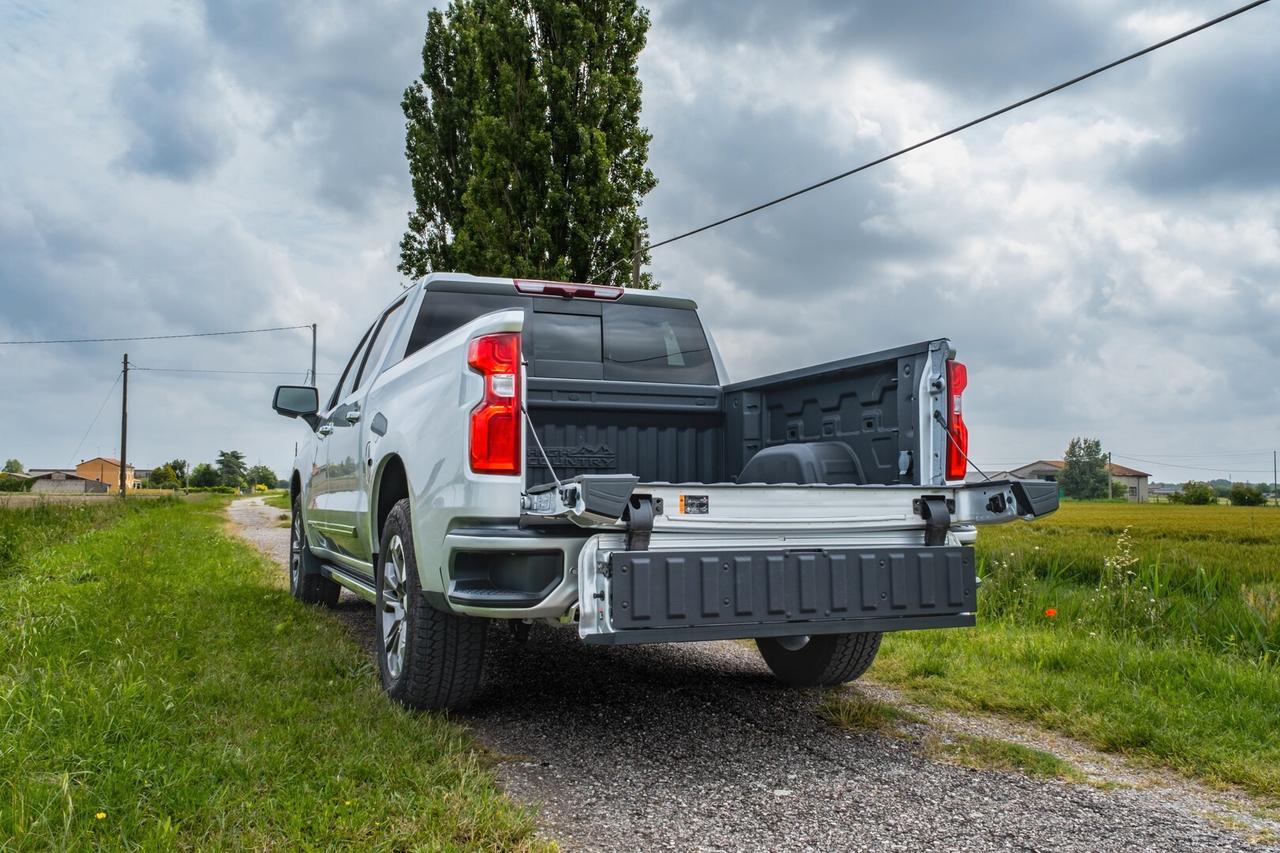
[695, 504]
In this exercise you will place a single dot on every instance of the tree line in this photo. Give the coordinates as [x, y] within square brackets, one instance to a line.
[1085, 476]
[229, 470]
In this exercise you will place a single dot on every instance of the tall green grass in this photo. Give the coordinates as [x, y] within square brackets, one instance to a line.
[159, 689]
[1206, 577]
[1152, 630]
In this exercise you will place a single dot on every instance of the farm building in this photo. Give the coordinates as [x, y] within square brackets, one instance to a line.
[105, 470]
[1134, 481]
[62, 483]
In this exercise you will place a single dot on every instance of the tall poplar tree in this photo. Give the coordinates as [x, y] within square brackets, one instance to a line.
[524, 141]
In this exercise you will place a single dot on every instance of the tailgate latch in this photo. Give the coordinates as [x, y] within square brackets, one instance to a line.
[936, 512]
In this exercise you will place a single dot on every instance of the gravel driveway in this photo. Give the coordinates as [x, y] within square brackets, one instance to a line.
[695, 747]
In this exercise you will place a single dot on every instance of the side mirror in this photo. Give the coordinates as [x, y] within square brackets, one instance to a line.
[297, 401]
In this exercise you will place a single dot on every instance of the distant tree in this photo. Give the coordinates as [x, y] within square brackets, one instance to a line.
[163, 477]
[1119, 489]
[1084, 476]
[203, 475]
[231, 468]
[13, 466]
[524, 141]
[261, 475]
[1243, 494]
[1195, 493]
[179, 467]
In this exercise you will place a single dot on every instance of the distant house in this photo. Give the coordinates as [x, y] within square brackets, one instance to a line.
[64, 483]
[105, 470]
[1134, 481]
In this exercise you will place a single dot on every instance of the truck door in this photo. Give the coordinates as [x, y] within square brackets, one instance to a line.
[348, 474]
[320, 506]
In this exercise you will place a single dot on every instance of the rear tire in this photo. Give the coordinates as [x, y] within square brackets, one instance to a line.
[305, 581]
[427, 658]
[823, 661]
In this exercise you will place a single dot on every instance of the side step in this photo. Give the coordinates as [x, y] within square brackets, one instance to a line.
[358, 585]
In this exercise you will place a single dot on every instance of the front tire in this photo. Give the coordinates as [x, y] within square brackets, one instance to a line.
[427, 658]
[305, 581]
[819, 661]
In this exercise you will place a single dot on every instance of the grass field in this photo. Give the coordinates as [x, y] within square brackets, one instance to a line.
[279, 500]
[1144, 629]
[161, 689]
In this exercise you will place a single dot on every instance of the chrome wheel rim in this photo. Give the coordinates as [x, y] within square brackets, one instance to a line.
[295, 553]
[393, 606]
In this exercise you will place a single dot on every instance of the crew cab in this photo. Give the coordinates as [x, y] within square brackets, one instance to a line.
[574, 455]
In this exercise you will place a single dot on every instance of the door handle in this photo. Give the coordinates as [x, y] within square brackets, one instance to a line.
[353, 414]
[325, 429]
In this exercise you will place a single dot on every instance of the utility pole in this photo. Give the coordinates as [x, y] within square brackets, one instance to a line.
[635, 262]
[1110, 489]
[1274, 493]
[314, 380]
[124, 427]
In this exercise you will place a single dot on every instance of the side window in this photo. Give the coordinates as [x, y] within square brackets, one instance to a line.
[381, 340]
[343, 388]
[443, 311]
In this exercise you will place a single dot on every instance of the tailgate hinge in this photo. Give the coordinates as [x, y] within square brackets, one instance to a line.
[639, 516]
[936, 512]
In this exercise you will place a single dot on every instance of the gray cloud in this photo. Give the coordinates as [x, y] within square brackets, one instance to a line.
[172, 107]
[1104, 261]
[332, 76]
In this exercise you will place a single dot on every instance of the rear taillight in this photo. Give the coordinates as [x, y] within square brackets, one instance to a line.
[958, 444]
[567, 290]
[495, 421]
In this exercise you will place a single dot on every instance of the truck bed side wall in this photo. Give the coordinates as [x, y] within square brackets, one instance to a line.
[660, 433]
[869, 403]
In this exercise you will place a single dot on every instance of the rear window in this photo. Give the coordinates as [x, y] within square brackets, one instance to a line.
[584, 339]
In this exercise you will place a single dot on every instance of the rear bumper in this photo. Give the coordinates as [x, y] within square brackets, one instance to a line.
[691, 595]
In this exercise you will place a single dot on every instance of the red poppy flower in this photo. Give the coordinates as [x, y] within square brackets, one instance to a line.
[1050, 612]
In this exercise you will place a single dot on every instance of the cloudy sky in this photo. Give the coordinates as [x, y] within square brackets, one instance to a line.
[1106, 261]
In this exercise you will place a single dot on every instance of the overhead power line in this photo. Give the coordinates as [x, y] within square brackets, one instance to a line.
[1219, 455]
[155, 337]
[110, 391]
[210, 370]
[1219, 469]
[922, 143]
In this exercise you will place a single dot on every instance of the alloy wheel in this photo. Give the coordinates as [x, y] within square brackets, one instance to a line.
[295, 553]
[391, 619]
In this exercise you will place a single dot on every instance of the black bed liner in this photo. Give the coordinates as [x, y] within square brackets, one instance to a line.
[707, 433]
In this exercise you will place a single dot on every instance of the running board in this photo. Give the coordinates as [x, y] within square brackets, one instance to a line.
[359, 586]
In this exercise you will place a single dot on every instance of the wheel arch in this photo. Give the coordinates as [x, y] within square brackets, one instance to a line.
[390, 486]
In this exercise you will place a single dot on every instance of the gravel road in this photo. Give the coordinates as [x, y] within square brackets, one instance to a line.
[695, 747]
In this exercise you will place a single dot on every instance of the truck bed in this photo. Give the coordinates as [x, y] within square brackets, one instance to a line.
[707, 434]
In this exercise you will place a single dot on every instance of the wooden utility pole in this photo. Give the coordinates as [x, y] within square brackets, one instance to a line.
[315, 382]
[124, 427]
[1274, 493]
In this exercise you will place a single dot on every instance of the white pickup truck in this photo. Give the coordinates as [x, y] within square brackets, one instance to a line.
[573, 454]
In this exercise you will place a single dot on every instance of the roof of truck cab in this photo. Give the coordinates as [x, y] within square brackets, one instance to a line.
[455, 281]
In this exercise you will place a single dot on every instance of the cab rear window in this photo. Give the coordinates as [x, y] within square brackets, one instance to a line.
[584, 339]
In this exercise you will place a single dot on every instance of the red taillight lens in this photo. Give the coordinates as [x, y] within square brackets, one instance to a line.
[495, 421]
[958, 444]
